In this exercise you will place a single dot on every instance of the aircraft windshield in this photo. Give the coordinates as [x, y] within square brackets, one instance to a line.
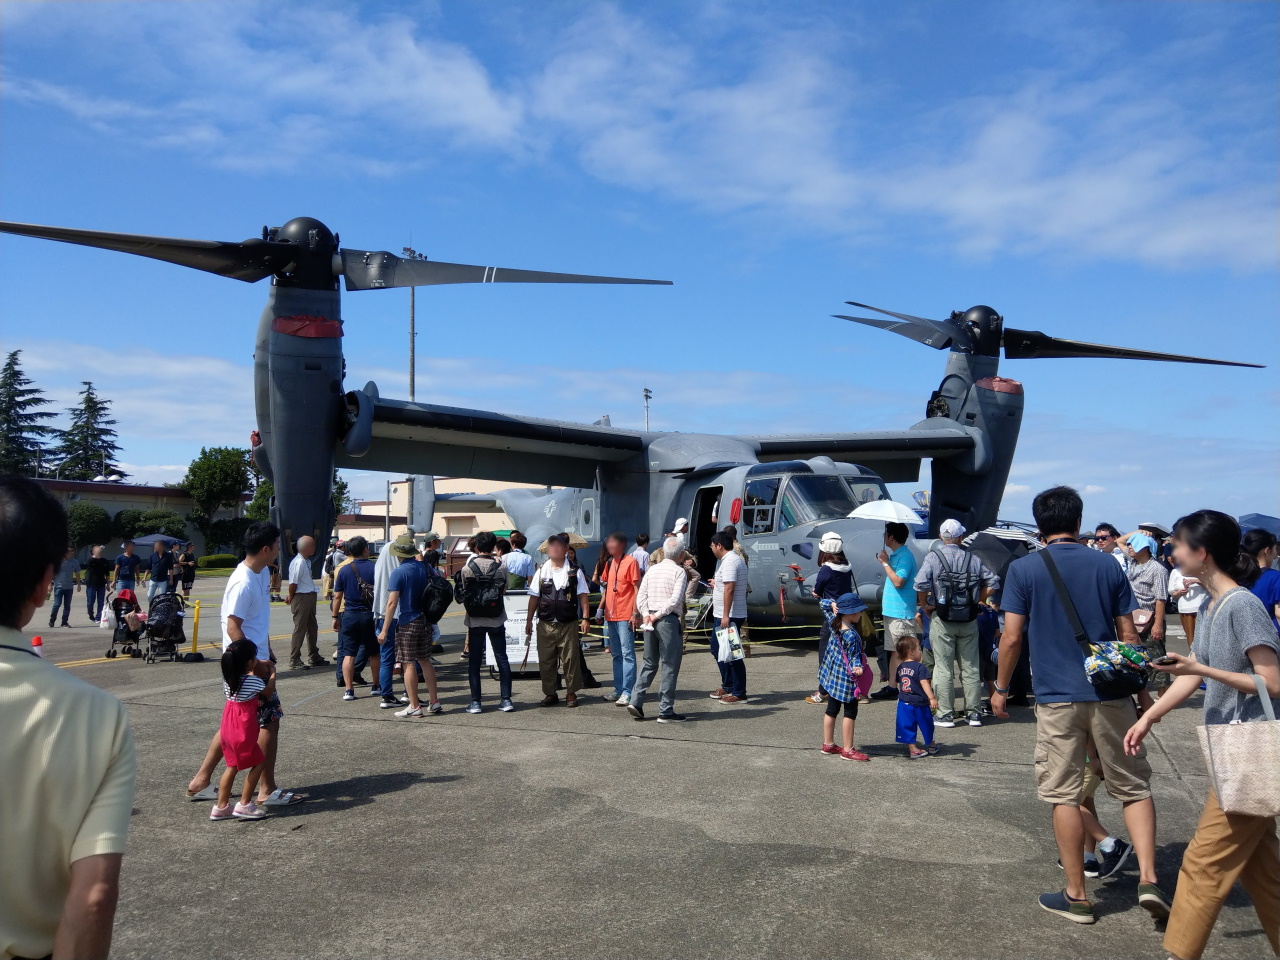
[811, 498]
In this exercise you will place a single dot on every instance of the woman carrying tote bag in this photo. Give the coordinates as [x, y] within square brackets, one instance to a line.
[1235, 642]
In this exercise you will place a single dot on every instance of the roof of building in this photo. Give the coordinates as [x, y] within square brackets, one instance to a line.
[102, 487]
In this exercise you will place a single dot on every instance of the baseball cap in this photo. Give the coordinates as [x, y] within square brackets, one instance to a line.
[951, 529]
[679, 523]
[431, 535]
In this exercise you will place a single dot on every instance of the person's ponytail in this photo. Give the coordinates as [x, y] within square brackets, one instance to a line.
[1218, 535]
[1254, 542]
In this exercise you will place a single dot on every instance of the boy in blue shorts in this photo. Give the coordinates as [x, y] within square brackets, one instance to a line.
[916, 700]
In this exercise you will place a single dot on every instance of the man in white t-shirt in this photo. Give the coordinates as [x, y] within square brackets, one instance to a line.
[246, 615]
[729, 608]
[302, 604]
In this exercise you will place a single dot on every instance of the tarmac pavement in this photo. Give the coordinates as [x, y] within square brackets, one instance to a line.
[552, 832]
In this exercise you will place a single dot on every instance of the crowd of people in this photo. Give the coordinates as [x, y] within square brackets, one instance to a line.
[1044, 614]
[170, 567]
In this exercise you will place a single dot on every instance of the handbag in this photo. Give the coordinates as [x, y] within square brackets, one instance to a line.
[730, 645]
[1243, 759]
[1114, 669]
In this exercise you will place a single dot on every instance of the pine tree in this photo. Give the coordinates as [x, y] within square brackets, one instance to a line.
[88, 447]
[22, 425]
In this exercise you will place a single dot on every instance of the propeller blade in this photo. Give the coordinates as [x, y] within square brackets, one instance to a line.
[250, 260]
[952, 332]
[1034, 345]
[929, 336]
[373, 269]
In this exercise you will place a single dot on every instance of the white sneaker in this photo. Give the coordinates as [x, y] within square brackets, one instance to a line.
[409, 712]
[624, 700]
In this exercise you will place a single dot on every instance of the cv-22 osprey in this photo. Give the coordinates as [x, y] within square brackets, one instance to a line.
[783, 492]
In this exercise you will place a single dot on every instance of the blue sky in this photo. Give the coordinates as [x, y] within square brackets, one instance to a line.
[1100, 171]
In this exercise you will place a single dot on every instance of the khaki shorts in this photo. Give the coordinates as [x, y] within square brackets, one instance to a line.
[1062, 734]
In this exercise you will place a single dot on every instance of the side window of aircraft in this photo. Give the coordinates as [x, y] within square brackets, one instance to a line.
[758, 505]
[867, 491]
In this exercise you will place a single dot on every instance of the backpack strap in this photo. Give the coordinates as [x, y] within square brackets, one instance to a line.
[1064, 598]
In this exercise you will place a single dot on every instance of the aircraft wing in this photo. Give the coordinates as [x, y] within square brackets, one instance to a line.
[894, 454]
[453, 441]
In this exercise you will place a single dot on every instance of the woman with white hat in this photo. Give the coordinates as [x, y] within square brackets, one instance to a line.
[834, 580]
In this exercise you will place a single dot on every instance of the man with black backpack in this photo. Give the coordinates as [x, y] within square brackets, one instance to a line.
[353, 596]
[959, 582]
[480, 586]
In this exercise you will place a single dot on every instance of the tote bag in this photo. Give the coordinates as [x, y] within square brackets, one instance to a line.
[1244, 760]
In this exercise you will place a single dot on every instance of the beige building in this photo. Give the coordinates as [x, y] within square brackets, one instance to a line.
[373, 519]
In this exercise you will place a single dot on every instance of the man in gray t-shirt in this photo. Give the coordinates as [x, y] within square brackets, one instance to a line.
[65, 583]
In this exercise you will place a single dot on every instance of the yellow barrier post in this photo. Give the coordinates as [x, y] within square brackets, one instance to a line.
[195, 629]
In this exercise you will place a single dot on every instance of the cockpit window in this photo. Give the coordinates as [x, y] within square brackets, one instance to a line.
[758, 505]
[812, 498]
[866, 491]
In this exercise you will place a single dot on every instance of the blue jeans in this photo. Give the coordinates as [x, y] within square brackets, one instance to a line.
[94, 597]
[387, 661]
[127, 583]
[61, 598]
[733, 675]
[155, 588]
[622, 644]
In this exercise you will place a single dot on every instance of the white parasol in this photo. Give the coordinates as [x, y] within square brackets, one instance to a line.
[889, 511]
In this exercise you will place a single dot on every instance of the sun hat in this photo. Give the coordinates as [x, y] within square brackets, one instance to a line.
[848, 604]
[403, 547]
[831, 543]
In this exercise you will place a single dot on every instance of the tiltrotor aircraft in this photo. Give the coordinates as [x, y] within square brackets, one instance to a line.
[782, 491]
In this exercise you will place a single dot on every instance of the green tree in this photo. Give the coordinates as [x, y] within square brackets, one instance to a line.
[343, 502]
[88, 446]
[22, 424]
[126, 523]
[216, 479]
[260, 506]
[167, 522]
[227, 534]
[88, 524]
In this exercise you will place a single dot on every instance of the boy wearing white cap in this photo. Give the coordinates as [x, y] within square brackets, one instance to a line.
[959, 583]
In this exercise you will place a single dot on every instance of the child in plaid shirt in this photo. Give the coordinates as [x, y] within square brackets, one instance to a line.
[844, 673]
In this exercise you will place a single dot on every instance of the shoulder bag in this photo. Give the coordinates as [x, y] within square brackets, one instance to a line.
[1114, 669]
[1243, 759]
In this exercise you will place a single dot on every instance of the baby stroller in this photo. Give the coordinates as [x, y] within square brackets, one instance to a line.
[164, 627]
[128, 625]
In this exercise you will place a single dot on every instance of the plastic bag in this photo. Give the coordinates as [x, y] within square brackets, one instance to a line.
[108, 619]
[729, 644]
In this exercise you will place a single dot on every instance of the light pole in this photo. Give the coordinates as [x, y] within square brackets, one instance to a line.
[412, 254]
[648, 395]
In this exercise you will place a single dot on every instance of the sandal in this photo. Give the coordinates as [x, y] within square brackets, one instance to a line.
[281, 798]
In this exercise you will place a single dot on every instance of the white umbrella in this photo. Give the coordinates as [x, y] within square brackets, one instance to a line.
[889, 511]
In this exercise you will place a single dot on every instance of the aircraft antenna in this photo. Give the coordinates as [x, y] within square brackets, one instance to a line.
[648, 395]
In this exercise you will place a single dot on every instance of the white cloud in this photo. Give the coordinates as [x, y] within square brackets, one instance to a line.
[1016, 488]
[1114, 162]
[1092, 490]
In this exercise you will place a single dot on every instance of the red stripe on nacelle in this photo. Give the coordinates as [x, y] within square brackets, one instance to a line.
[302, 325]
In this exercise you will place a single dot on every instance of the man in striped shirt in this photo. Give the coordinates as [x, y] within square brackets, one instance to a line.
[660, 606]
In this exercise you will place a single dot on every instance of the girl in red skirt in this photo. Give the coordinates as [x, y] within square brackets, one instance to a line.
[242, 685]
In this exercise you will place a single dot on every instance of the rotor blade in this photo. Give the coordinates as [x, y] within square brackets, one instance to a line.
[929, 336]
[250, 260]
[951, 331]
[372, 269]
[1034, 345]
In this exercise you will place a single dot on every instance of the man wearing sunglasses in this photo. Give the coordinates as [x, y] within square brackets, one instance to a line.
[1107, 539]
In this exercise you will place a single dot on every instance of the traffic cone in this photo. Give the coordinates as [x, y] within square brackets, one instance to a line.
[37, 646]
